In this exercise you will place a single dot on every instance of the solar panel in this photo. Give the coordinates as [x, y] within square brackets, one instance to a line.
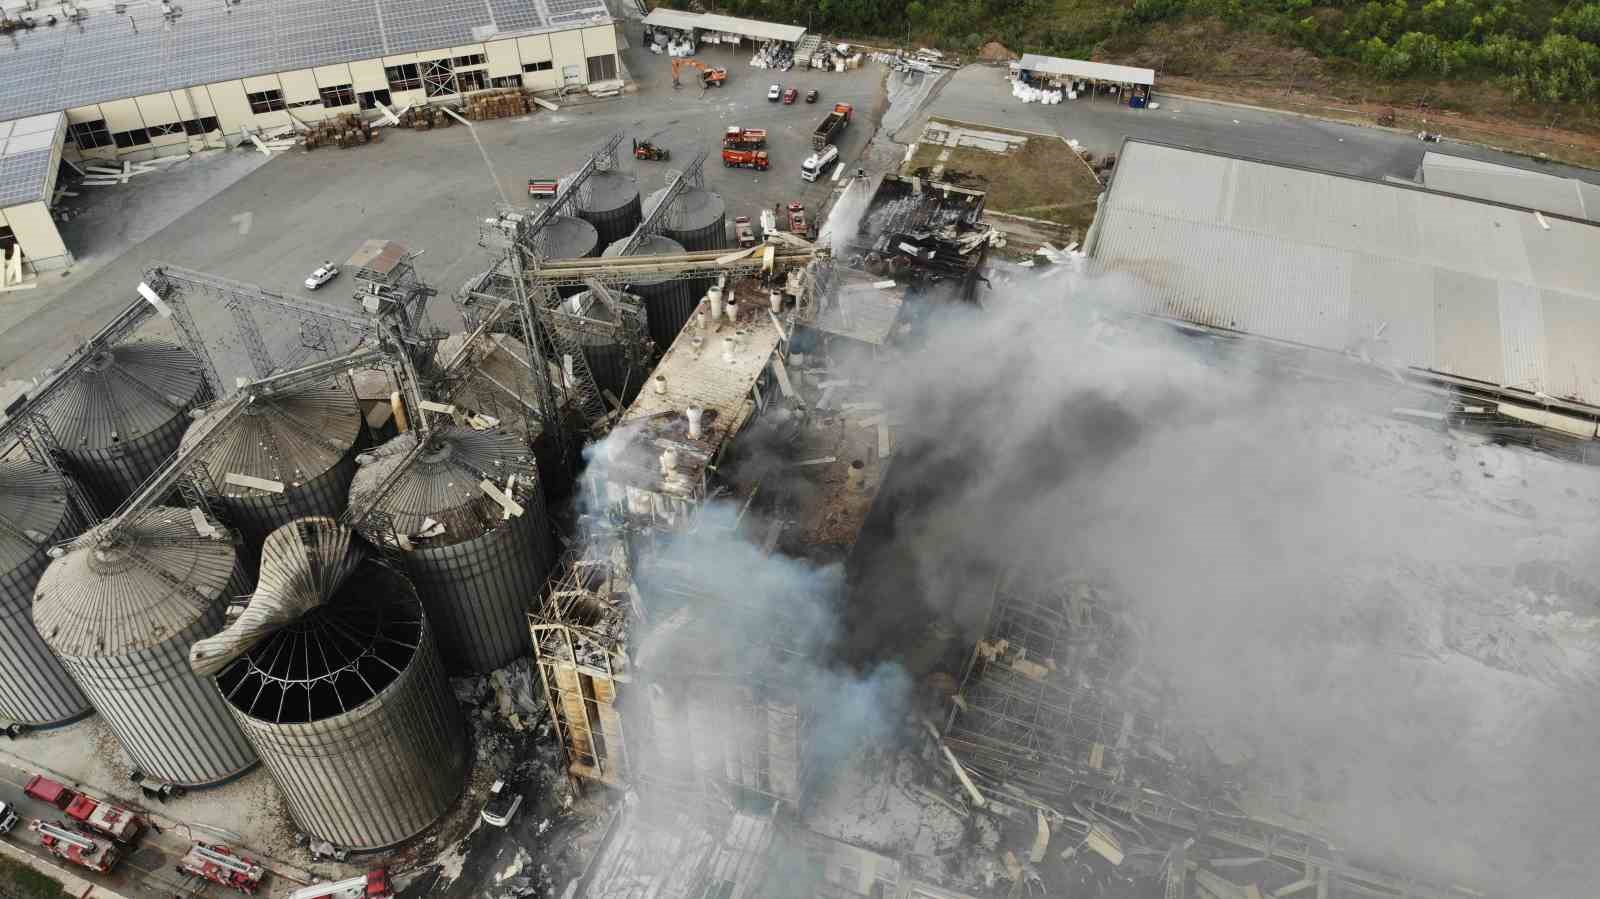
[23, 177]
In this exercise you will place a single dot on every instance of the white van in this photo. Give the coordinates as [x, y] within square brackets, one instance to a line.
[817, 163]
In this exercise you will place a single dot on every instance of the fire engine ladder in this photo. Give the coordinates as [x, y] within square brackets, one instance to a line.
[62, 835]
[226, 861]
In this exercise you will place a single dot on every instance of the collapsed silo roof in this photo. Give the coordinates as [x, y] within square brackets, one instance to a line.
[289, 438]
[33, 505]
[124, 392]
[437, 496]
[111, 595]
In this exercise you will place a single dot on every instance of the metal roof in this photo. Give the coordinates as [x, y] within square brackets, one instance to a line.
[111, 597]
[1402, 276]
[683, 21]
[1510, 185]
[26, 148]
[440, 486]
[1082, 68]
[129, 390]
[33, 507]
[106, 56]
[291, 438]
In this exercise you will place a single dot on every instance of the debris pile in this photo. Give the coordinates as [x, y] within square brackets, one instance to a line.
[425, 118]
[498, 104]
[343, 131]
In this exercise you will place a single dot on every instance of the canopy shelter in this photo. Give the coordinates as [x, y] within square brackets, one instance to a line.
[702, 24]
[1129, 84]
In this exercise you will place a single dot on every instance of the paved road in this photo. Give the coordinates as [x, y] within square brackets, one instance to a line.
[981, 94]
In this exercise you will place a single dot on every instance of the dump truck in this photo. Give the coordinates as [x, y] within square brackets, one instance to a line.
[831, 126]
[97, 815]
[745, 159]
[736, 138]
[372, 885]
[798, 226]
[84, 851]
[222, 866]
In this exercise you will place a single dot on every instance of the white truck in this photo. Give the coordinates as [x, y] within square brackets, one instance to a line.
[817, 163]
[8, 818]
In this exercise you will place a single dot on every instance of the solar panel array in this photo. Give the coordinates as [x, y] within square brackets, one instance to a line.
[106, 56]
[25, 149]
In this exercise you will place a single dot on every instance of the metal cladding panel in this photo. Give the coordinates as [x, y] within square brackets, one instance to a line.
[113, 473]
[380, 773]
[259, 514]
[613, 207]
[700, 221]
[478, 593]
[668, 304]
[568, 237]
[174, 724]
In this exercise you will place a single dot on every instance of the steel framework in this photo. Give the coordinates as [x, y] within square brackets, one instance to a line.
[665, 210]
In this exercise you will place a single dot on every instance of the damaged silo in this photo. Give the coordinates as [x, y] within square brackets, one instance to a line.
[493, 385]
[34, 515]
[613, 336]
[120, 607]
[334, 674]
[288, 456]
[467, 514]
[121, 418]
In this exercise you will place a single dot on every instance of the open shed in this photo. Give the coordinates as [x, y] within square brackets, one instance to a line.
[1126, 84]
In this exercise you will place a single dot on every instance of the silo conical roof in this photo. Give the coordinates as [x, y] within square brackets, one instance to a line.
[290, 438]
[440, 485]
[110, 596]
[33, 508]
[124, 393]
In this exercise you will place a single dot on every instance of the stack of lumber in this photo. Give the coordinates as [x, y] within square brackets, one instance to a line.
[425, 118]
[342, 131]
[498, 104]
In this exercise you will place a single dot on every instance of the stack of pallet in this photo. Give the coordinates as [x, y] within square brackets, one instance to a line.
[498, 104]
[342, 131]
[425, 118]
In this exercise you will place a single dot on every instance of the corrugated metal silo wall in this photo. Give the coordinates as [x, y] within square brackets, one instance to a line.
[704, 227]
[111, 474]
[669, 306]
[478, 593]
[616, 211]
[34, 688]
[380, 774]
[174, 724]
[255, 517]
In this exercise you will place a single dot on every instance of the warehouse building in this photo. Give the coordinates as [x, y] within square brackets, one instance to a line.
[1497, 300]
[1507, 184]
[142, 80]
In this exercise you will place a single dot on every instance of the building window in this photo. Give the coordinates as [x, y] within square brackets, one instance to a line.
[342, 95]
[403, 78]
[371, 99]
[300, 103]
[545, 66]
[506, 81]
[602, 68]
[126, 139]
[475, 80]
[265, 101]
[8, 239]
[438, 80]
[204, 125]
[476, 59]
[89, 135]
[164, 130]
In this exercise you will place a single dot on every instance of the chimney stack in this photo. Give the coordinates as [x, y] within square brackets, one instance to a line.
[659, 385]
[855, 477]
[715, 296]
[693, 413]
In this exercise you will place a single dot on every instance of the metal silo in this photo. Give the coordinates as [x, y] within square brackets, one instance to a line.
[334, 674]
[612, 206]
[568, 237]
[495, 380]
[120, 609]
[476, 567]
[34, 515]
[699, 221]
[123, 416]
[614, 350]
[668, 303]
[287, 457]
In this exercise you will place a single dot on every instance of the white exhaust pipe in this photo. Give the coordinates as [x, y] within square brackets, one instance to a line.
[659, 385]
[715, 296]
[775, 298]
[694, 413]
[727, 350]
[855, 477]
[669, 462]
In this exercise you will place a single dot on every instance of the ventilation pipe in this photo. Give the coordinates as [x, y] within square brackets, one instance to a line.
[727, 350]
[855, 477]
[659, 385]
[715, 296]
[693, 413]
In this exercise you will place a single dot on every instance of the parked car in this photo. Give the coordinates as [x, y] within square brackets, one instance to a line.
[323, 273]
[502, 805]
[811, 95]
[774, 92]
[789, 96]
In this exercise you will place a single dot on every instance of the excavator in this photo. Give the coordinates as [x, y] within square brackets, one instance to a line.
[710, 76]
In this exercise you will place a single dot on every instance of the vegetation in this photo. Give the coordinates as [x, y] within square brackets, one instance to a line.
[18, 881]
[1546, 51]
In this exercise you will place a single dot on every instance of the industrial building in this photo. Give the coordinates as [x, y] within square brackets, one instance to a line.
[1489, 299]
[1512, 186]
[714, 28]
[104, 80]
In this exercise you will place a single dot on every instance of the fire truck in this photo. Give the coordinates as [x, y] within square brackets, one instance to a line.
[746, 159]
[101, 817]
[220, 865]
[372, 885]
[797, 221]
[736, 138]
[81, 850]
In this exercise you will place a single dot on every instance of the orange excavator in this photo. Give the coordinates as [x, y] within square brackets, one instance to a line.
[710, 76]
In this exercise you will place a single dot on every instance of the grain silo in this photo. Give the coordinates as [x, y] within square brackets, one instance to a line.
[286, 457]
[699, 220]
[120, 607]
[668, 302]
[612, 205]
[567, 237]
[34, 515]
[614, 350]
[334, 674]
[476, 565]
[494, 379]
[123, 415]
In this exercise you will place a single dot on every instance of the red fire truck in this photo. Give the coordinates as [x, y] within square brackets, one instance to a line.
[372, 885]
[81, 850]
[102, 817]
[221, 865]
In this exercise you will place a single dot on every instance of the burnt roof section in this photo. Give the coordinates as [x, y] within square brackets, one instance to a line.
[123, 393]
[290, 438]
[108, 597]
[33, 509]
[439, 487]
[381, 257]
